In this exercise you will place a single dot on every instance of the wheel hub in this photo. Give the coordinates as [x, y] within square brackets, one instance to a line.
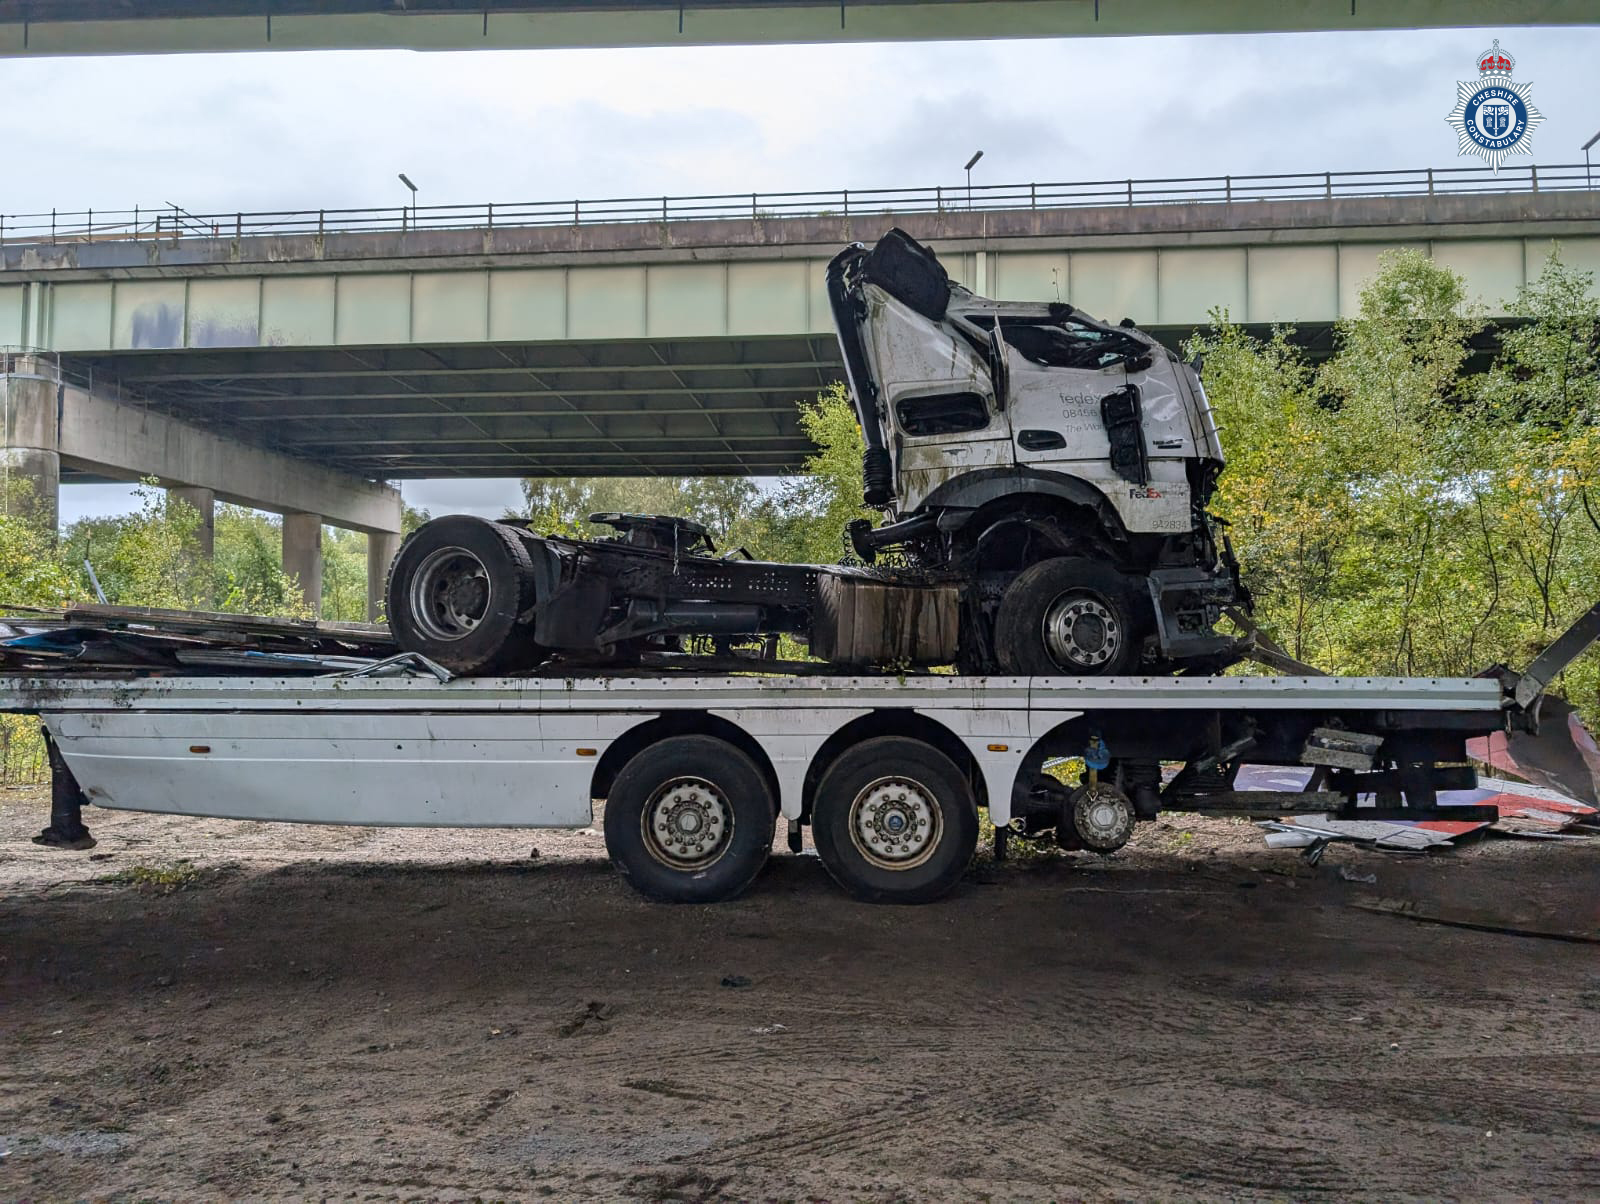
[1103, 818]
[895, 823]
[450, 594]
[1081, 632]
[687, 823]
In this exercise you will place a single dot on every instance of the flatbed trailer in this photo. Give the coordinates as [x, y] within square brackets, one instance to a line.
[890, 773]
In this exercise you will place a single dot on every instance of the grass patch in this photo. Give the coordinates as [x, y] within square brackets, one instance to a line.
[164, 879]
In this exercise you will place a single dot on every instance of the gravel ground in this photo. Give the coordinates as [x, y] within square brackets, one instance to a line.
[214, 1009]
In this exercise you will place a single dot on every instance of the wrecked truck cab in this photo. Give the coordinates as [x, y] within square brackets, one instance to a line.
[1004, 435]
[1044, 477]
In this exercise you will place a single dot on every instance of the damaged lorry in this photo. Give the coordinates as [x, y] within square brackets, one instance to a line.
[1043, 478]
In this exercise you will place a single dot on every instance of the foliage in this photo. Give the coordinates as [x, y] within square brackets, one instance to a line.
[180, 875]
[730, 507]
[344, 575]
[1395, 513]
[32, 573]
[816, 506]
[152, 557]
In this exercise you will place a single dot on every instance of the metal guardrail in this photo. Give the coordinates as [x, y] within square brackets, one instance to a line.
[174, 223]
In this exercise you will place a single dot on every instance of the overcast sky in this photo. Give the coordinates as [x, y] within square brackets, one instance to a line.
[331, 129]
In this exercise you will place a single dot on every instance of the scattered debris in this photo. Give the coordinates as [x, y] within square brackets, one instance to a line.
[1533, 810]
[1495, 805]
[735, 980]
[1480, 918]
[97, 638]
[1307, 831]
[768, 1030]
[1349, 875]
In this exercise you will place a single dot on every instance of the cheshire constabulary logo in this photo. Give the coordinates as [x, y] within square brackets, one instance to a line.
[1493, 116]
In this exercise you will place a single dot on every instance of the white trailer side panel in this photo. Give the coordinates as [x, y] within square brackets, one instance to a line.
[516, 770]
[505, 751]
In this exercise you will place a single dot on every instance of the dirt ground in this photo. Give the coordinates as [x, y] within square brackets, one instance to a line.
[398, 1015]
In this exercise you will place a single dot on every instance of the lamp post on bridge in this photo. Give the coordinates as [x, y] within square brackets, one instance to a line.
[406, 180]
[1587, 183]
[978, 155]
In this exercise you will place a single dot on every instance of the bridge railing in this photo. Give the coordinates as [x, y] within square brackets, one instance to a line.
[173, 223]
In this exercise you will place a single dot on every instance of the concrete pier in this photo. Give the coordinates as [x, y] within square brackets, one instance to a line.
[302, 555]
[30, 461]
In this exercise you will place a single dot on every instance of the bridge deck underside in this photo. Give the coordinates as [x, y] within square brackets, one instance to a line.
[616, 408]
[688, 407]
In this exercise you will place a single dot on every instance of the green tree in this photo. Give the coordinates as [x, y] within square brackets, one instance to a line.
[815, 507]
[32, 570]
[562, 506]
[152, 557]
[344, 575]
[1392, 512]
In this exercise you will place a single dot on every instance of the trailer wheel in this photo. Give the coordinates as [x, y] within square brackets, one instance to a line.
[455, 591]
[690, 819]
[895, 821]
[1069, 615]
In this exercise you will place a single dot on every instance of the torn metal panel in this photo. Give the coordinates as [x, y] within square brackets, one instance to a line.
[1382, 834]
[1561, 755]
[88, 639]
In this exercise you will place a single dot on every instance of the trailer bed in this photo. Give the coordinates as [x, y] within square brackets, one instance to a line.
[523, 751]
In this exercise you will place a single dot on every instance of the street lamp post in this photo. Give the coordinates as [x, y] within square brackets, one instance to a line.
[1587, 183]
[978, 155]
[406, 180]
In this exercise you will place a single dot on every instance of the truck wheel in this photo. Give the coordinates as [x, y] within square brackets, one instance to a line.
[895, 821]
[1069, 615]
[455, 591]
[690, 820]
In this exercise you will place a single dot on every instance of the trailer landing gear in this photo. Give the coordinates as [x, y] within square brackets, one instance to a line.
[66, 830]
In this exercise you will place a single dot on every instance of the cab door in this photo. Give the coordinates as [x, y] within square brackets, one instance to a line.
[939, 397]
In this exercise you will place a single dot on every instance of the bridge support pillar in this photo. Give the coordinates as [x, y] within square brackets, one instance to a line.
[382, 546]
[302, 556]
[205, 501]
[30, 444]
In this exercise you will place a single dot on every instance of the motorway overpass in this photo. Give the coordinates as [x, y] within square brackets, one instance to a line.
[78, 27]
[235, 353]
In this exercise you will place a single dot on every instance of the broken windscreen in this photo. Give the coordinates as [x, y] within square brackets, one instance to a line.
[1064, 342]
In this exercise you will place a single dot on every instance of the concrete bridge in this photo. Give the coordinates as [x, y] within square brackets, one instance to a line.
[292, 361]
[68, 27]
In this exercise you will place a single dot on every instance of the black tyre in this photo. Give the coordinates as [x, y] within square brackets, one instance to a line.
[895, 821]
[1070, 616]
[690, 820]
[455, 591]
